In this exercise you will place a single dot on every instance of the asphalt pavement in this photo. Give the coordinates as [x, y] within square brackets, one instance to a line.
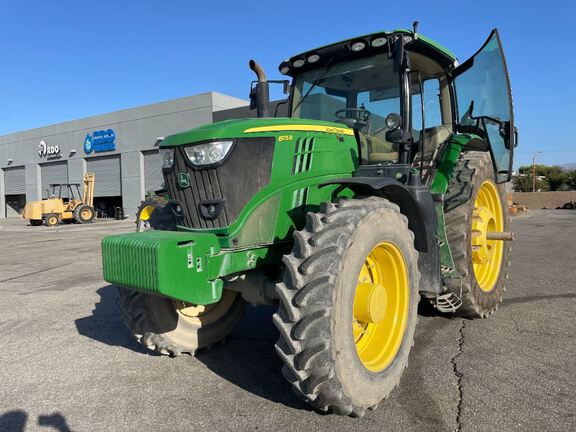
[68, 363]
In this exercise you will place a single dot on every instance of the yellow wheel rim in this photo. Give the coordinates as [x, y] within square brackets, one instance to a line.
[86, 214]
[487, 254]
[381, 304]
[146, 212]
[201, 315]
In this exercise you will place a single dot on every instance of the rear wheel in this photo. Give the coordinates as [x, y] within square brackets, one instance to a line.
[35, 222]
[84, 214]
[173, 327]
[144, 220]
[348, 305]
[51, 219]
[483, 263]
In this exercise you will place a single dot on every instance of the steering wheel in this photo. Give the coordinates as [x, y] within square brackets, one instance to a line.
[360, 114]
[358, 119]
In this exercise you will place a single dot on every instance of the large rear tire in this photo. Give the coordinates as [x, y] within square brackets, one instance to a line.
[348, 305]
[153, 214]
[173, 327]
[482, 263]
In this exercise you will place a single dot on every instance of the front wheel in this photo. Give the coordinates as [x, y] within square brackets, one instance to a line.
[173, 327]
[348, 305]
[51, 219]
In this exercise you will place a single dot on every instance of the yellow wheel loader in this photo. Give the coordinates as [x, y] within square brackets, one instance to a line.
[76, 207]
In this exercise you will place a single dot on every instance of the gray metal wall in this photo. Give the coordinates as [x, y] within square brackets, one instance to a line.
[136, 132]
[50, 173]
[153, 178]
[108, 177]
[14, 181]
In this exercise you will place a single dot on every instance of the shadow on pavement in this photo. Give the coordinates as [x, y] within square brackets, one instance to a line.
[55, 421]
[248, 359]
[532, 299]
[106, 324]
[15, 421]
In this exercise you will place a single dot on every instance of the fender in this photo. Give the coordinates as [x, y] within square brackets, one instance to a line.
[417, 204]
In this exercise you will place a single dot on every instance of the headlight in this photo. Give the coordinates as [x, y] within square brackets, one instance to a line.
[167, 155]
[208, 154]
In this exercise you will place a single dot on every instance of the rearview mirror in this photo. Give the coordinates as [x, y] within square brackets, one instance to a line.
[285, 85]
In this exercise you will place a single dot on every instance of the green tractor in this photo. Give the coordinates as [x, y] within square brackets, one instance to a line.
[384, 184]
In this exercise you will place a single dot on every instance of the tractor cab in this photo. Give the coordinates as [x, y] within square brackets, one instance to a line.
[404, 96]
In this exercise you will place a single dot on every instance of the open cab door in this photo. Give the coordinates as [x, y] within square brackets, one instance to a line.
[484, 102]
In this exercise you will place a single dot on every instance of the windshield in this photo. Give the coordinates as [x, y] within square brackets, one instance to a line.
[359, 93]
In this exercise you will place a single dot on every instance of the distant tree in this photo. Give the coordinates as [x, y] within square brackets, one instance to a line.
[523, 183]
[571, 179]
[556, 177]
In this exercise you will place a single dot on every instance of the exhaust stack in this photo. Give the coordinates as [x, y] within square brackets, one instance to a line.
[259, 93]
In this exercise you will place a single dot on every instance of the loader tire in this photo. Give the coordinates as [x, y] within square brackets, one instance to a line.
[172, 327]
[51, 219]
[348, 305]
[84, 214]
[483, 266]
[35, 222]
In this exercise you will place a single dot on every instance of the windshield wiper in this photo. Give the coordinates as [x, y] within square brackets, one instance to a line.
[314, 84]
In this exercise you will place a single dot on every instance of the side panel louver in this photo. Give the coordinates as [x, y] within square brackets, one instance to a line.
[303, 155]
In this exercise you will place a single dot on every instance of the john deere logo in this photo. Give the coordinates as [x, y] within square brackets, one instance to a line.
[183, 179]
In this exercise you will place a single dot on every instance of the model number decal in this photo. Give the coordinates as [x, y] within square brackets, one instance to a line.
[285, 138]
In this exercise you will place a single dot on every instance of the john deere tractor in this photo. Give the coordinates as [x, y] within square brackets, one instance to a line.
[384, 185]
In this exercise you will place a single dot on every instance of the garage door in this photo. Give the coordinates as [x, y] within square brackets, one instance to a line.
[153, 179]
[108, 178]
[14, 181]
[55, 172]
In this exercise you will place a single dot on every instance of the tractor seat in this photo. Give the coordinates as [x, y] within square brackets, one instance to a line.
[434, 137]
[381, 150]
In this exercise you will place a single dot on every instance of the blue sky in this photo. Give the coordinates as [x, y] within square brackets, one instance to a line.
[63, 60]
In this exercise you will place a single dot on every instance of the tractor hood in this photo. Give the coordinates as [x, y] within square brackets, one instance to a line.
[230, 129]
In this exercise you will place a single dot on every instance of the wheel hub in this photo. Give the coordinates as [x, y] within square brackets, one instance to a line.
[370, 302]
[201, 315]
[483, 222]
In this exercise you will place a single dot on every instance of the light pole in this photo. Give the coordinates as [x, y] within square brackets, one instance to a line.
[534, 171]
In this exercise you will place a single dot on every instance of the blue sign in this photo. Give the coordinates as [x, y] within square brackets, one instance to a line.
[100, 141]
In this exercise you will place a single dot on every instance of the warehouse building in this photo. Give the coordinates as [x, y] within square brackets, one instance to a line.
[121, 148]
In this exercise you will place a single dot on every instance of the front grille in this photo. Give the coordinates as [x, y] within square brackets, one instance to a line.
[245, 172]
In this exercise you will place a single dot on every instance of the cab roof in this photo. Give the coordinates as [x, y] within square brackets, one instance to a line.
[345, 49]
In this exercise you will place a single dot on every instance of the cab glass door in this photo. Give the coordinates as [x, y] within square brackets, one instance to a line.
[484, 102]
